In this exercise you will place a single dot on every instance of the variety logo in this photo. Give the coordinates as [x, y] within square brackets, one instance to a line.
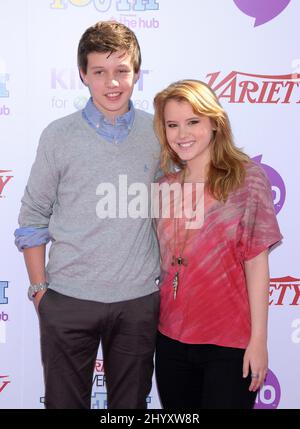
[4, 382]
[99, 366]
[4, 179]
[268, 397]
[3, 287]
[99, 377]
[239, 87]
[284, 291]
[262, 11]
[106, 5]
[277, 184]
[99, 398]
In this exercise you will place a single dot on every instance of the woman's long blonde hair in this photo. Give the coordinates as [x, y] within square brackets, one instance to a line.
[227, 166]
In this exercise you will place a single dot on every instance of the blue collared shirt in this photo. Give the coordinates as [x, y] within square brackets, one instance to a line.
[114, 133]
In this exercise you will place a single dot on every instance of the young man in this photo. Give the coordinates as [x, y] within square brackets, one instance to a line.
[99, 283]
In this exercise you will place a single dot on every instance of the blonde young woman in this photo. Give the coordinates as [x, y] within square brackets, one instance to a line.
[212, 341]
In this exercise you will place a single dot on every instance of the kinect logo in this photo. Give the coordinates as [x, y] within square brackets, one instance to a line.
[262, 11]
[68, 79]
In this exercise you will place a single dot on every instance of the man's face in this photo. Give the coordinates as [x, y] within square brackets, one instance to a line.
[110, 78]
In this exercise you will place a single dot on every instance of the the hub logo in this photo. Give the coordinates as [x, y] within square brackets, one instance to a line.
[4, 77]
[268, 397]
[4, 110]
[106, 5]
[2, 332]
[262, 11]
[3, 319]
[3, 316]
[4, 179]
[277, 184]
[4, 93]
[3, 287]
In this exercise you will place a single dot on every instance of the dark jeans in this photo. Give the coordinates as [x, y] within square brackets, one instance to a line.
[71, 330]
[204, 376]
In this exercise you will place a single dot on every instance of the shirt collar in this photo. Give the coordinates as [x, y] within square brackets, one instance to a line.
[96, 118]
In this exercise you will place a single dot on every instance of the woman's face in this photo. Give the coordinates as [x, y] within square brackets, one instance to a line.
[188, 134]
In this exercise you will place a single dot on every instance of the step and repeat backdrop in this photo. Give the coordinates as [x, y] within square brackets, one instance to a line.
[247, 51]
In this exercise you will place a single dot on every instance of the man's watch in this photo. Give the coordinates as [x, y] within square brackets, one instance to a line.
[35, 288]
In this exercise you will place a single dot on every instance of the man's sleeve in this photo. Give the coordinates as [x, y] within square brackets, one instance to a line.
[41, 190]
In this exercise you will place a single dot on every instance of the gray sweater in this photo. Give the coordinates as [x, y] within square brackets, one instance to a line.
[93, 258]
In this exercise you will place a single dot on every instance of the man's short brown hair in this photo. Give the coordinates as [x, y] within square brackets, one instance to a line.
[108, 36]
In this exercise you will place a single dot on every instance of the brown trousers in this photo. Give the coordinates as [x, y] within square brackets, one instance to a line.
[71, 331]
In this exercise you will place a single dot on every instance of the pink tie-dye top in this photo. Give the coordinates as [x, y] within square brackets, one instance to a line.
[212, 305]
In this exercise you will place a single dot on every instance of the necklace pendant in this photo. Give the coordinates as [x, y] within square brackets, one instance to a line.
[175, 284]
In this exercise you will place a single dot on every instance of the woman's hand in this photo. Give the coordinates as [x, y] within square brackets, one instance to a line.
[256, 361]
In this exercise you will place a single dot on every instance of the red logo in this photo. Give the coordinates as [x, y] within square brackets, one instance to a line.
[99, 379]
[99, 365]
[238, 87]
[3, 383]
[284, 291]
[4, 179]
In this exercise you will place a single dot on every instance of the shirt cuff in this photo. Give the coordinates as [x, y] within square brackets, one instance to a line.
[27, 237]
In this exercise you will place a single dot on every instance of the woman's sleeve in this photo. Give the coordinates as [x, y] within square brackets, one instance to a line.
[260, 226]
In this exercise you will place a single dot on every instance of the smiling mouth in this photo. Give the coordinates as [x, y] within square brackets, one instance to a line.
[185, 145]
[113, 95]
